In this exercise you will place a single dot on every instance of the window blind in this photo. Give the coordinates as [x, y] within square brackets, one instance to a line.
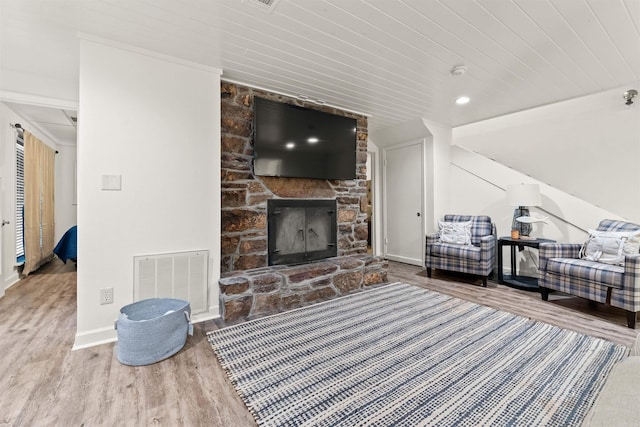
[19, 200]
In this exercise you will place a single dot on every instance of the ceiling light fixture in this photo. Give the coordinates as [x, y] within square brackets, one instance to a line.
[463, 100]
[290, 145]
[312, 140]
[629, 95]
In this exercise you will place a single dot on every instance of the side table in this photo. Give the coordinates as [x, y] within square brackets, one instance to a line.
[515, 280]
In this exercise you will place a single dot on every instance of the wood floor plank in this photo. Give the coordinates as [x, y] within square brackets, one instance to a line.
[564, 311]
[43, 382]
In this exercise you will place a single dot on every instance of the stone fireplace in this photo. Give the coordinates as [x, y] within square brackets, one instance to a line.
[301, 230]
[326, 224]
[245, 196]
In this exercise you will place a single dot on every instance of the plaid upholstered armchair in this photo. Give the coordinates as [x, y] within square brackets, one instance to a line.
[562, 268]
[475, 255]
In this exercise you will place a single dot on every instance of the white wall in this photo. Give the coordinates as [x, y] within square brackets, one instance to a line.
[588, 147]
[65, 207]
[438, 160]
[156, 122]
[586, 150]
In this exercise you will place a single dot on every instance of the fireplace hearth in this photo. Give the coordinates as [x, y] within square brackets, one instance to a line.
[301, 230]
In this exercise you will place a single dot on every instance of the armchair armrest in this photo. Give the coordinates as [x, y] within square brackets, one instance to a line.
[431, 239]
[488, 247]
[632, 274]
[557, 250]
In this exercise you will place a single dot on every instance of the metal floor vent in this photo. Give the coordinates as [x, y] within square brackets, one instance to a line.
[181, 275]
[266, 5]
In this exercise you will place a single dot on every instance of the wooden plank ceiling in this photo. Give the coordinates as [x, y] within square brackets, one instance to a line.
[391, 59]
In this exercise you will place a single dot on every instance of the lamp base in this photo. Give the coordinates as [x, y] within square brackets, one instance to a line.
[523, 228]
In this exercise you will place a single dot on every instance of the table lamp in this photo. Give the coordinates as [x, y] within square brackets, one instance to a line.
[522, 196]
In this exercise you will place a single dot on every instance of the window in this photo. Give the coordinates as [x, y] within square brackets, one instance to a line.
[19, 200]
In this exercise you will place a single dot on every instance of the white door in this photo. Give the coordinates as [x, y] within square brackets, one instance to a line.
[403, 186]
[3, 224]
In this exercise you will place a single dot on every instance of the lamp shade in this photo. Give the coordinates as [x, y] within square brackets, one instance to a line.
[524, 195]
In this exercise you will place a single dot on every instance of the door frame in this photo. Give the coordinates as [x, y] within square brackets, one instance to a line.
[9, 272]
[372, 170]
[422, 143]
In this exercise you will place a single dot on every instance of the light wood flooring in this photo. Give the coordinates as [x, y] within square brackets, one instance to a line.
[44, 383]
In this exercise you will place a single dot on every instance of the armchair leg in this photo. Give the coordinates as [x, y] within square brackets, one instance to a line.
[544, 292]
[631, 319]
[484, 281]
[429, 272]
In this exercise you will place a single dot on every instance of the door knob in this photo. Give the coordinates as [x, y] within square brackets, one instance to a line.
[5, 222]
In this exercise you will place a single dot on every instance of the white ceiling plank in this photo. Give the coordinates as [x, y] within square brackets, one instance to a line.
[622, 33]
[336, 44]
[285, 57]
[567, 41]
[632, 9]
[331, 89]
[603, 52]
[389, 58]
[430, 21]
[526, 61]
[366, 99]
[525, 27]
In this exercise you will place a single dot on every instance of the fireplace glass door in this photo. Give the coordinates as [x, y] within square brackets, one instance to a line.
[301, 230]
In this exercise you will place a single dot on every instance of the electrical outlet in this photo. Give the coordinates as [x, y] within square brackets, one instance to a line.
[106, 296]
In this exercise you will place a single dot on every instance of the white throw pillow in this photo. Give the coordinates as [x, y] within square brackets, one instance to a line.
[610, 246]
[457, 233]
[632, 244]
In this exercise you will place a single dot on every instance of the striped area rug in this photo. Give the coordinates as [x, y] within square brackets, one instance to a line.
[400, 355]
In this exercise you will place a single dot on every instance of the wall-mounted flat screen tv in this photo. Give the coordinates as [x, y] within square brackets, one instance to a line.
[297, 142]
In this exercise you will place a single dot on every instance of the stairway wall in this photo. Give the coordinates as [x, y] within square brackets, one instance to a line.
[588, 147]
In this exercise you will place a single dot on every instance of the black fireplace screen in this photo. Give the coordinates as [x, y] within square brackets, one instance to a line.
[301, 230]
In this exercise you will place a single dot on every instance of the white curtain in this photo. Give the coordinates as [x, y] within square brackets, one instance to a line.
[39, 224]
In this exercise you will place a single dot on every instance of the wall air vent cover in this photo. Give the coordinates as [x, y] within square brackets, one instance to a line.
[266, 5]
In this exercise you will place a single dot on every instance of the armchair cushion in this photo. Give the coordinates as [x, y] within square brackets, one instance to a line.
[606, 274]
[456, 251]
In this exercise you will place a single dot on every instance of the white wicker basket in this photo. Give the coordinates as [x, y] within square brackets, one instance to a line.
[152, 330]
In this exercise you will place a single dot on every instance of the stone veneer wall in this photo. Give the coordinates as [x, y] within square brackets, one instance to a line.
[262, 291]
[244, 196]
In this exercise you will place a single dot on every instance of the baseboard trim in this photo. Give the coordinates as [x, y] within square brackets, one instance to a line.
[212, 313]
[109, 334]
[95, 337]
[405, 260]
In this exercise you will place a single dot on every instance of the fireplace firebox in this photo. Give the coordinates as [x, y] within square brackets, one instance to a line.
[301, 231]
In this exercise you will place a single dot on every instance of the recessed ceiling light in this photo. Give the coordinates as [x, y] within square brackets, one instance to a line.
[290, 145]
[312, 140]
[463, 100]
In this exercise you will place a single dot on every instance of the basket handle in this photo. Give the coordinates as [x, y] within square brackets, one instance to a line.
[188, 316]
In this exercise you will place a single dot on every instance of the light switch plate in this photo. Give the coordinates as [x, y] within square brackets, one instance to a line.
[112, 182]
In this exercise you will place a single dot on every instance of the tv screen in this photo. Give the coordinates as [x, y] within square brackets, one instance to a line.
[297, 142]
